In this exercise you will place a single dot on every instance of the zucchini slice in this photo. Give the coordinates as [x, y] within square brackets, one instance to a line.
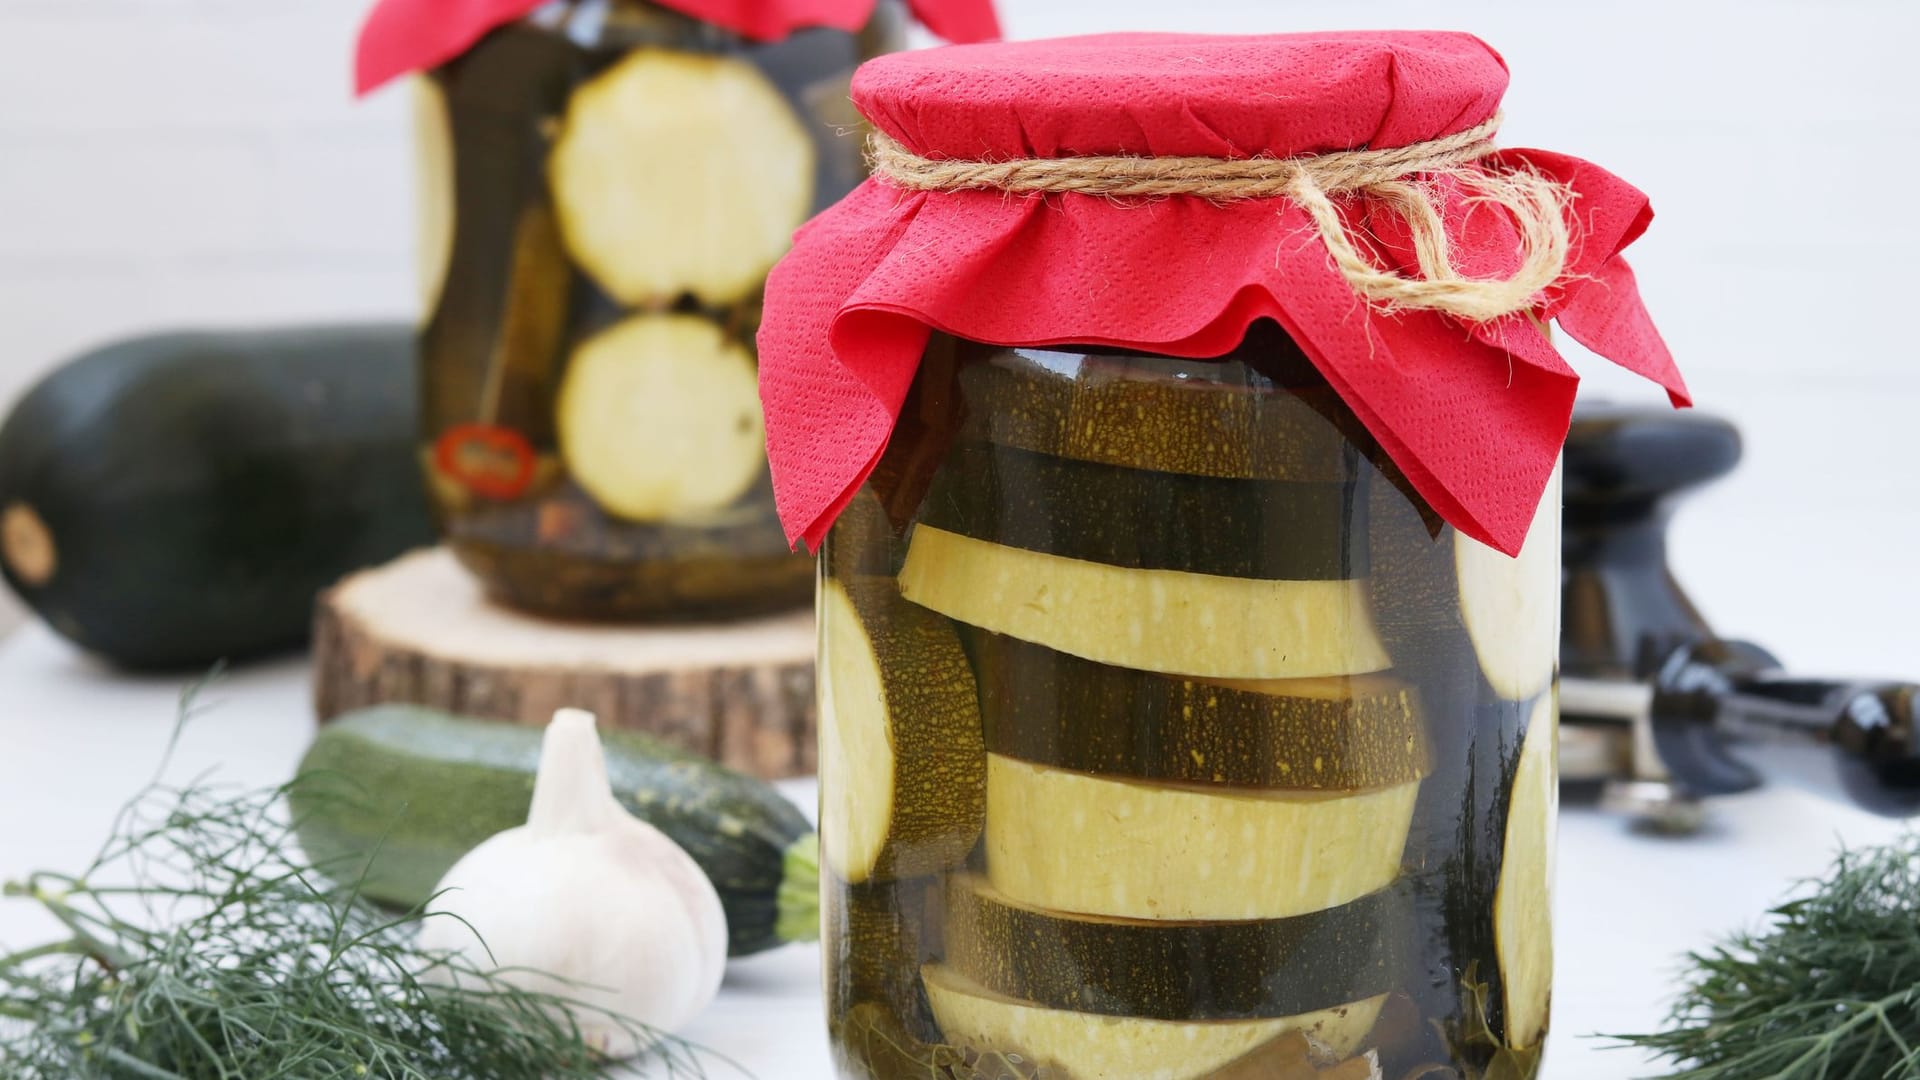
[1522, 924]
[1466, 832]
[1155, 620]
[1075, 842]
[881, 928]
[1336, 733]
[902, 764]
[1089, 1046]
[1151, 521]
[1179, 420]
[680, 173]
[433, 190]
[534, 334]
[861, 542]
[659, 419]
[1431, 586]
[1161, 970]
[1511, 605]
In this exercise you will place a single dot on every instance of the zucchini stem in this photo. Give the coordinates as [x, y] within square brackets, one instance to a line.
[799, 896]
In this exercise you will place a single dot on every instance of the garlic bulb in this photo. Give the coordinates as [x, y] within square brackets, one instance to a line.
[586, 892]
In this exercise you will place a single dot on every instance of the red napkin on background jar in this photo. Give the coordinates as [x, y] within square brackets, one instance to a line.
[958, 232]
[402, 36]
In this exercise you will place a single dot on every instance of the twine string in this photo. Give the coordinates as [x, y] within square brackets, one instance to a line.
[1400, 178]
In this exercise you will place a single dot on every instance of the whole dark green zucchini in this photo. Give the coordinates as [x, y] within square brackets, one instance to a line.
[394, 795]
[173, 500]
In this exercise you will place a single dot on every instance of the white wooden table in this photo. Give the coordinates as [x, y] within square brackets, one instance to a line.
[76, 739]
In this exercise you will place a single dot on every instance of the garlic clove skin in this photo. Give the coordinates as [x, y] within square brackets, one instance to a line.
[584, 891]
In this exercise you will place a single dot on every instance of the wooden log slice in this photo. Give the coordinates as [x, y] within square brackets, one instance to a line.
[420, 630]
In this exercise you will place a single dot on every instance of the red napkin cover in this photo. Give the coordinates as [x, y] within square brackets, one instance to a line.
[402, 36]
[1473, 413]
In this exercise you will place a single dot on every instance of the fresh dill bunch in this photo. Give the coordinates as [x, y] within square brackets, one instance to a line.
[198, 948]
[1829, 990]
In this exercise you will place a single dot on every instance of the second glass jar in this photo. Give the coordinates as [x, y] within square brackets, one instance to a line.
[604, 187]
[1166, 732]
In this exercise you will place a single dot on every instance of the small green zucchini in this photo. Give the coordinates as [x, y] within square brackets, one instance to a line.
[394, 795]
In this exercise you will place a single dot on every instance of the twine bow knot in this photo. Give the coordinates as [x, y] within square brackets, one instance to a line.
[1392, 175]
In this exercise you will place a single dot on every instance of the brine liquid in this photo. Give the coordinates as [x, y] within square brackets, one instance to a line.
[1166, 732]
[583, 188]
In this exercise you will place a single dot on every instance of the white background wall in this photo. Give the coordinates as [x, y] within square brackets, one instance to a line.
[167, 162]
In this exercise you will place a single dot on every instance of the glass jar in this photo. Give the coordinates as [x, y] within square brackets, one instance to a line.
[605, 184]
[1167, 733]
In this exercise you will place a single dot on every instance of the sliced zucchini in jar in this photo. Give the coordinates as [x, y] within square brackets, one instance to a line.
[1511, 605]
[1522, 924]
[861, 542]
[1179, 421]
[1155, 620]
[1072, 841]
[1166, 970]
[1461, 850]
[1334, 733]
[902, 764]
[884, 931]
[1090, 1046]
[680, 173]
[533, 336]
[659, 419]
[433, 190]
[1151, 520]
[1431, 583]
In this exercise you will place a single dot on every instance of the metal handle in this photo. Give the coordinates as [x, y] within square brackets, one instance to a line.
[1711, 695]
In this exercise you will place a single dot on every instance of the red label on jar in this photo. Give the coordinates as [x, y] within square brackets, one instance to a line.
[486, 459]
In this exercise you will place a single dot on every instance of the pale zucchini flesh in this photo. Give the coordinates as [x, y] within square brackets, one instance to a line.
[680, 173]
[1088, 844]
[1511, 605]
[659, 419]
[902, 761]
[1522, 906]
[433, 190]
[1154, 620]
[1093, 1047]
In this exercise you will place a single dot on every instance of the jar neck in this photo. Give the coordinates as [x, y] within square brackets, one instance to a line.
[1266, 359]
[626, 24]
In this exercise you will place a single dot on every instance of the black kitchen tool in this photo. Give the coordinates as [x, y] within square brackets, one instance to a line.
[1658, 708]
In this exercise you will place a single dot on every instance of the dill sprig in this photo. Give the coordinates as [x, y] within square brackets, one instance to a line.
[199, 948]
[1829, 990]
